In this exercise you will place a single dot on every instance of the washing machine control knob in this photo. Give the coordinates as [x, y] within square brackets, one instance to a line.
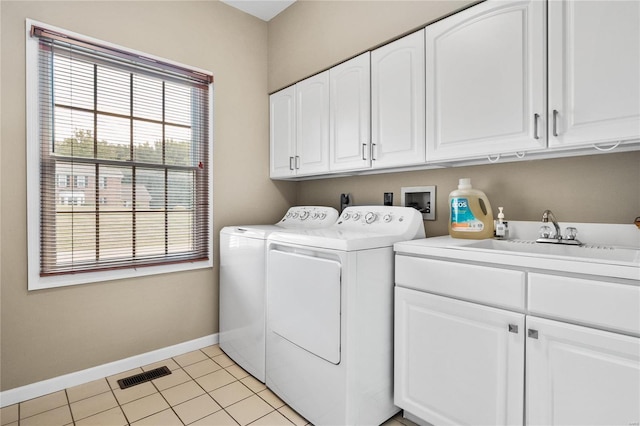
[294, 215]
[315, 215]
[356, 216]
[346, 216]
[387, 218]
[370, 217]
[322, 215]
[304, 215]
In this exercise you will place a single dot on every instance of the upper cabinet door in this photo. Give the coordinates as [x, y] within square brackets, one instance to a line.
[594, 72]
[397, 102]
[485, 79]
[349, 137]
[312, 125]
[282, 132]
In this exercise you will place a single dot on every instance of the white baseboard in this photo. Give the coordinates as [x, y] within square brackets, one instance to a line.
[34, 390]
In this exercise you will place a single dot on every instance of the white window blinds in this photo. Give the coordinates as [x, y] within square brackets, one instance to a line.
[124, 158]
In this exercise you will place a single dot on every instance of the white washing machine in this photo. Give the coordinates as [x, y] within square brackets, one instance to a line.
[330, 315]
[242, 283]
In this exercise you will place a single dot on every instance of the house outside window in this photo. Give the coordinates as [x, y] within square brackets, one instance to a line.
[121, 150]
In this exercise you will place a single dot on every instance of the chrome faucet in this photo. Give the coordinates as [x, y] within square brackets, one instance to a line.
[548, 214]
[546, 237]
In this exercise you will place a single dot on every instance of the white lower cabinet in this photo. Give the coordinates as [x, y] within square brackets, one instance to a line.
[462, 362]
[458, 362]
[581, 376]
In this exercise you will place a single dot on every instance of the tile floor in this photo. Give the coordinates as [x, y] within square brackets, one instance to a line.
[205, 388]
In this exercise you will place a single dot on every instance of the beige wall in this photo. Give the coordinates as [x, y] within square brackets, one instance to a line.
[311, 36]
[53, 332]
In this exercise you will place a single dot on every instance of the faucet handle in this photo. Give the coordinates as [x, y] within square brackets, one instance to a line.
[570, 233]
[545, 231]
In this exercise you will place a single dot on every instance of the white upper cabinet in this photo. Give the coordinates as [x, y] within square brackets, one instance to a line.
[312, 125]
[350, 112]
[594, 72]
[282, 132]
[397, 102]
[299, 128]
[485, 81]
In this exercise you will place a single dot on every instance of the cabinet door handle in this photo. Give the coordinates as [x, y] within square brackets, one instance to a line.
[513, 328]
[364, 147]
[532, 333]
[290, 163]
[297, 162]
[536, 118]
[373, 147]
[555, 122]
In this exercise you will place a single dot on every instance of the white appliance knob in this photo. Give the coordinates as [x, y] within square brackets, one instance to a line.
[356, 216]
[323, 215]
[315, 215]
[387, 218]
[346, 216]
[288, 215]
[304, 215]
[370, 217]
[294, 215]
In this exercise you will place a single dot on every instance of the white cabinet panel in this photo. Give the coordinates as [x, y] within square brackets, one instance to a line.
[581, 376]
[312, 124]
[397, 99]
[282, 132]
[457, 362]
[594, 69]
[349, 140]
[485, 81]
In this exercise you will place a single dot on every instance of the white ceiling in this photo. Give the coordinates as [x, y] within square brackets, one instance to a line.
[263, 9]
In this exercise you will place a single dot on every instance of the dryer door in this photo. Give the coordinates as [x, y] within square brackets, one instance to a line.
[303, 302]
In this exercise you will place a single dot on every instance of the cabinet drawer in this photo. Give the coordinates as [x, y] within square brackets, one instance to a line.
[590, 302]
[486, 285]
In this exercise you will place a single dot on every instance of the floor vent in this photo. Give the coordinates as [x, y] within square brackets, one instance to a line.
[147, 376]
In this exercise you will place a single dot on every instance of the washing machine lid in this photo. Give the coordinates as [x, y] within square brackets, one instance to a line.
[259, 232]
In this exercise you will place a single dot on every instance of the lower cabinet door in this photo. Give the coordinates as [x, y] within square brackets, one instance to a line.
[581, 376]
[458, 362]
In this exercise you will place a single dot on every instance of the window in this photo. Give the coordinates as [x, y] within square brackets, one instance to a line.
[121, 147]
[80, 181]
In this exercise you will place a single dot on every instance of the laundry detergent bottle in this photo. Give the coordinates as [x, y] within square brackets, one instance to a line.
[471, 215]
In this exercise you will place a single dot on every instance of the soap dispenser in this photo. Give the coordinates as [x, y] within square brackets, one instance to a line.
[502, 228]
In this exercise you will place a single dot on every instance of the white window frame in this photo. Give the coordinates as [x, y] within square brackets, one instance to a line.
[35, 281]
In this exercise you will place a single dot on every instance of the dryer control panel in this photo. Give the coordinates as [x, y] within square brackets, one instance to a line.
[381, 219]
[309, 217]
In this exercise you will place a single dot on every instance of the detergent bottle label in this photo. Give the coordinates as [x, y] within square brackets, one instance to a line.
[462, 218]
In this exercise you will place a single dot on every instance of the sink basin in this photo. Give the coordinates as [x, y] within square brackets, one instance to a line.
[586, 253]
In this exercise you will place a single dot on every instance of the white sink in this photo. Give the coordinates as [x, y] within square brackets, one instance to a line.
[586, 253]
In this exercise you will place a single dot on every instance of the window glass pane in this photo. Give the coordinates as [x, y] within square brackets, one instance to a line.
[73, 82]
[73, 133]
[180, 228]
[114, 135]
[147, 98]
[150, 233]
[75, 233]
[116, 236]
[112, 188]
[114, 87]
[147, 142]
[149, 189]
[178, 146]
[177, 104]
[180, 187]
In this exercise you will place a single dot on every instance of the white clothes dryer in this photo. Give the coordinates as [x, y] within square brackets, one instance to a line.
[242, 283]
[330, 315]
